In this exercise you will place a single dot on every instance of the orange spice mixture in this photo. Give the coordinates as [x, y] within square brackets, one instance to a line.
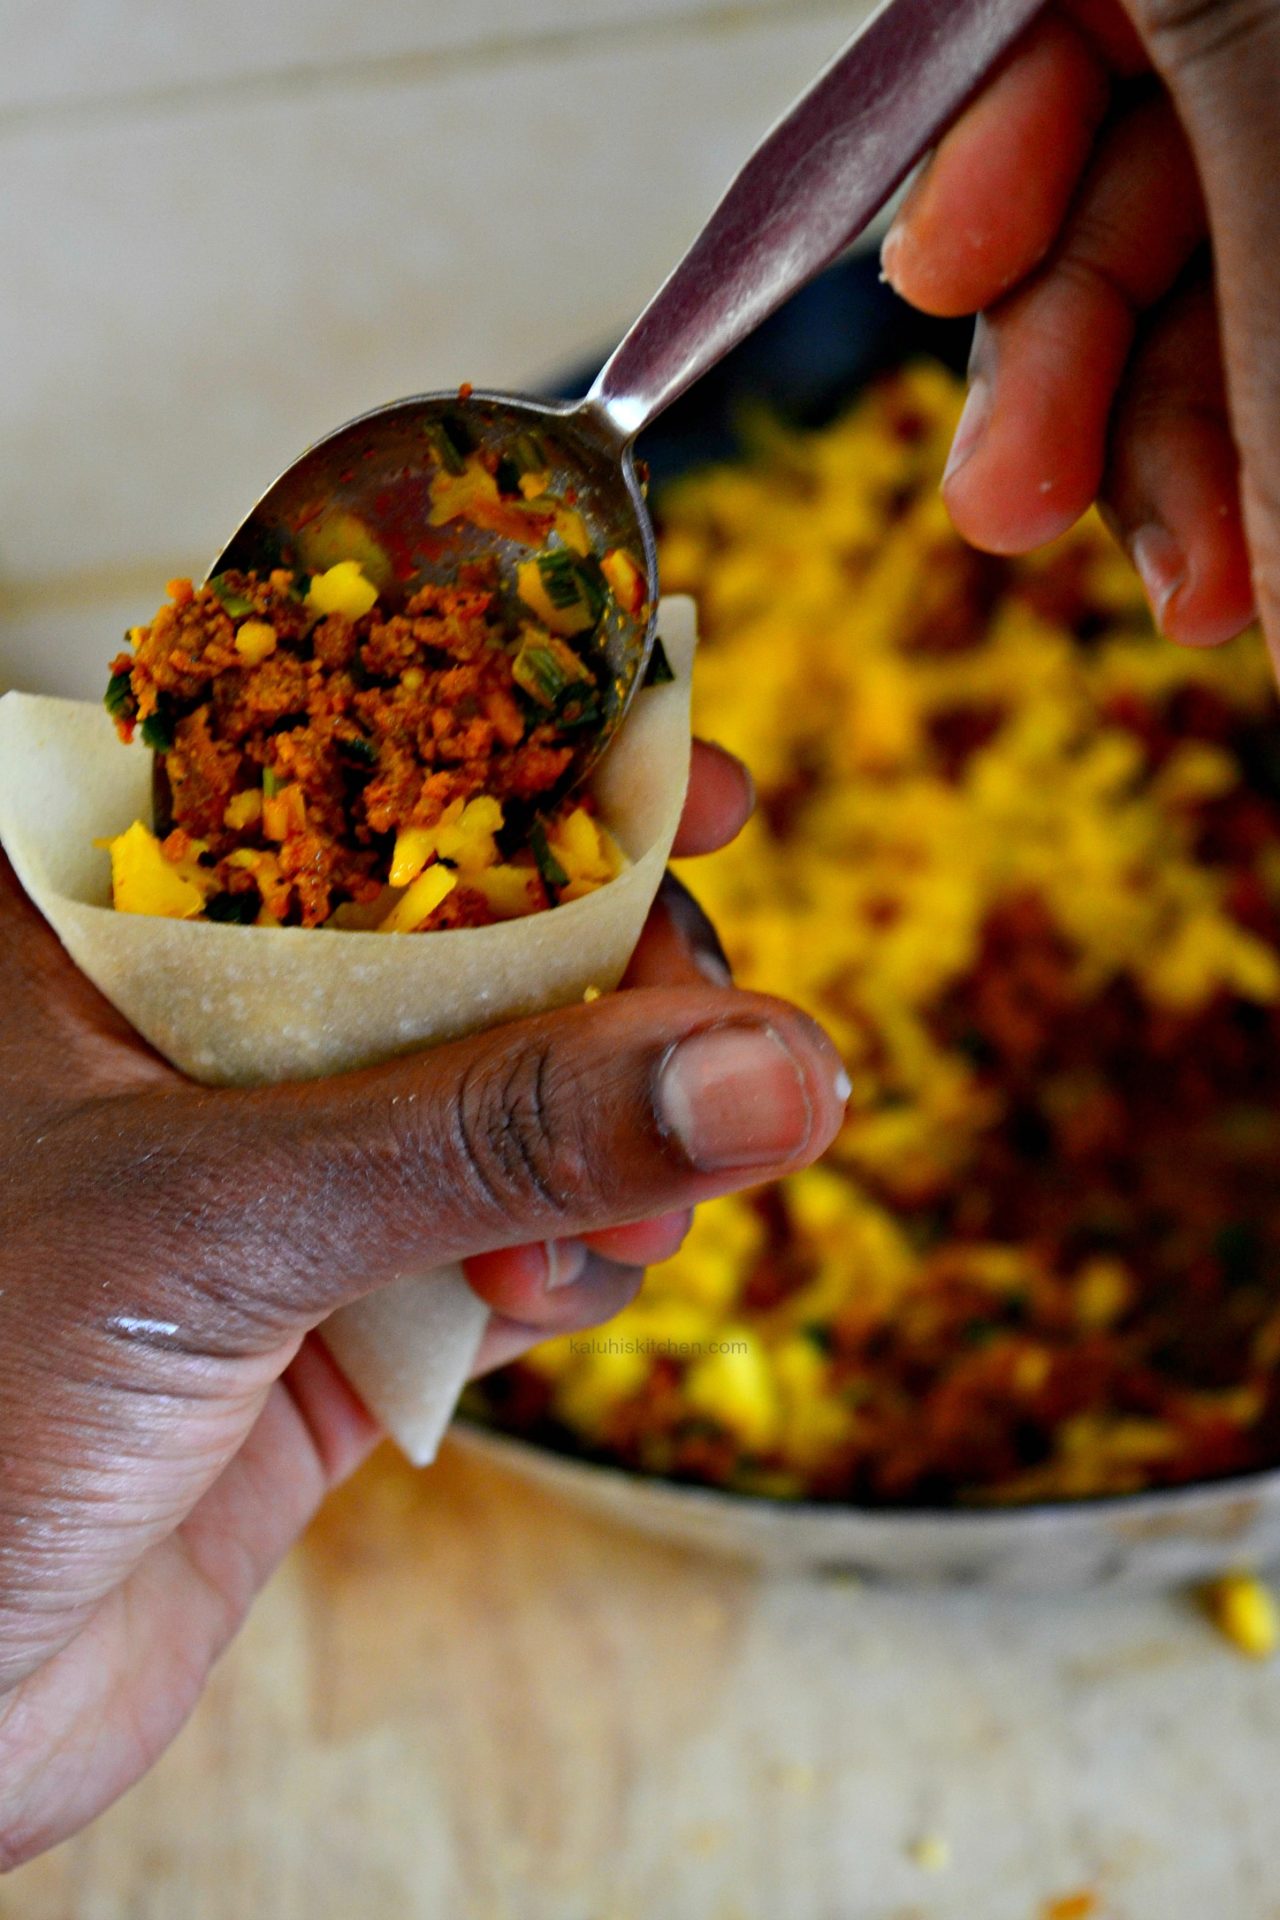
[315, 754]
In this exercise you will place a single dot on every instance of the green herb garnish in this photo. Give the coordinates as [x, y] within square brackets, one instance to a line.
[157, 730]
[118, 698]
[545, 668]
[578, 710]
[451, 440]
[552, 874]
[238, 909]
[354, 746]
[572, 581]
[271, 782]
[234, 602]
[660, 670]
[527, 453]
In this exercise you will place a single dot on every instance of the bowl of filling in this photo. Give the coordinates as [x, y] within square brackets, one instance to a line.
[1021, 856]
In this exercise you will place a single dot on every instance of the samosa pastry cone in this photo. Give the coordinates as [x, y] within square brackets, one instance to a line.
[242, 1005]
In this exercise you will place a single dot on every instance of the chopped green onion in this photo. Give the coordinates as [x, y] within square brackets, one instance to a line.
[594, 584]
[527, 453]
[157, 731]
[578, 710]
[507, 475]
[571, 580]
[553, 874]
[560, 577]
[661, 672]
[233, 601]
[459, 433]
[118, 698]
[451, 440]
[355, 747]
[238, 909]
[545, 667]
[271, 782]
[445, 451]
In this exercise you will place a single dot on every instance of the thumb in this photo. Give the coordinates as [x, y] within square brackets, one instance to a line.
[1221, 62]
[548, 1128]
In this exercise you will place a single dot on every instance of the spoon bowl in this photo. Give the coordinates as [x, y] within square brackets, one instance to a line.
[363, 493]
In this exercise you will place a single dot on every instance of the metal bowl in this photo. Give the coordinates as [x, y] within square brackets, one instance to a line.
[807, 363]
[1134, 1540]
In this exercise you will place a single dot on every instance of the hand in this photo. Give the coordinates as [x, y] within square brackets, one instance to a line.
[602, 1270]
[1118, 356]
[168, 1427]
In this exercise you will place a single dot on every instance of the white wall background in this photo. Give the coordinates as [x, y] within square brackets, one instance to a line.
[228, 224]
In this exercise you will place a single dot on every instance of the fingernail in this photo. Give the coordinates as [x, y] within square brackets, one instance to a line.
[971, 426]
[566, 1263]
[890, 249]
[1161, 564]
[734, 1097]
[891, 246]
[712, 967]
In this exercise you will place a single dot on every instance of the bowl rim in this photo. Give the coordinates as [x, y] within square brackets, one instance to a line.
[1251, 1483]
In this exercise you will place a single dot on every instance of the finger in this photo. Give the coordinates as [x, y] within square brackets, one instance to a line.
[720, 801]
[288, 1200]
[61, 1034]
[645, 1244]
[91, 1719]
[524, 1282]
[1108, 29]
[1029, 451]
[528, 1283]
[605, 1288]
[991, 201]
[341, 1430]
[1172, 485]
[679, 945]
[1222, 65]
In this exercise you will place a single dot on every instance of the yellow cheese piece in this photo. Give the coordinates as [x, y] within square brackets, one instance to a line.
[511, 892]
[342, 589]
[1246, 1612]
[420, 901]
[242, 810]
[463, 835]
[414, 847]
[734, 1386]
[255, 640]
[284, 812]
[565, 621]
[626, 582]
[588, 852]
[143, 881]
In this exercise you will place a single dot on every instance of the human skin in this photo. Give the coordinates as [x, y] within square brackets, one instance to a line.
[168, 1422]
[1108, 206]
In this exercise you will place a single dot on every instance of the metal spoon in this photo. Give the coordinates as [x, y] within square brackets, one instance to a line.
[363, 492]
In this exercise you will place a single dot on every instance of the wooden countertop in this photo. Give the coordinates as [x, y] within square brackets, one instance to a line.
[461, 1700]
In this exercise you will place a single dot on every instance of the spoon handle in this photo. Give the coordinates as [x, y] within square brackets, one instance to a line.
[810, 187]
